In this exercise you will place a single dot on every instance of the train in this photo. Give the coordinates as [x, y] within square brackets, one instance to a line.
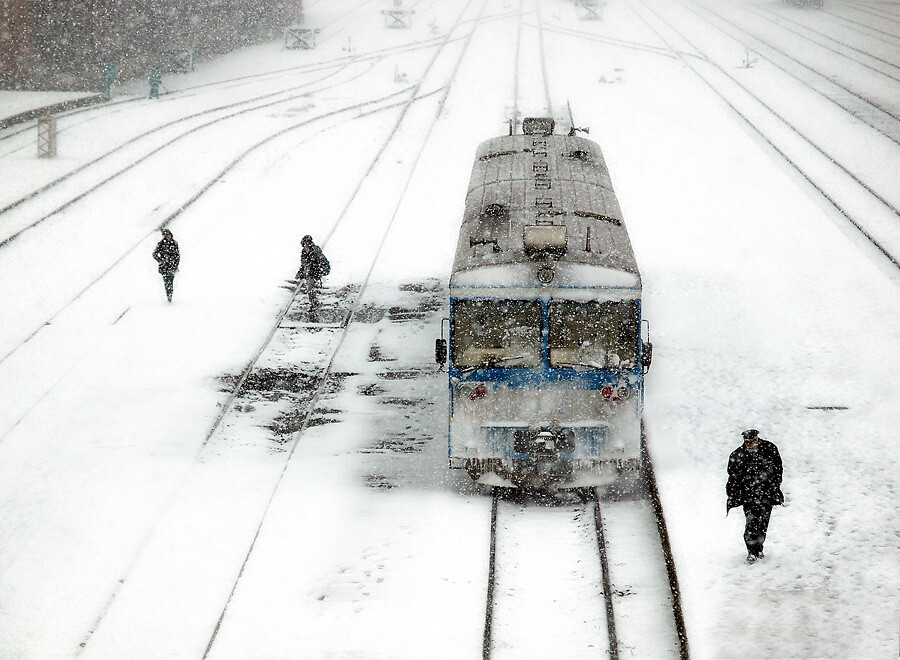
[546, 348]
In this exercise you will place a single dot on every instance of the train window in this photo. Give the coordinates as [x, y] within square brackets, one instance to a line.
[594, 335]
[502, 334]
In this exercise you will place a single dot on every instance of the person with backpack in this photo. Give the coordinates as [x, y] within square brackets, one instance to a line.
[313, 267]
[168, 257]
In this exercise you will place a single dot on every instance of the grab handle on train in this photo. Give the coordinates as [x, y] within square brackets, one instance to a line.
[440, 346]
[646, 347]
[646, 355]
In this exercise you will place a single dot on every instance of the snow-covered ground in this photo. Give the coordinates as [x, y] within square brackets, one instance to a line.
[13, 103]
[125, 522]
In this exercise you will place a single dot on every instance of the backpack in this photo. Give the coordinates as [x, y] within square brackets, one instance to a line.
[324, 265]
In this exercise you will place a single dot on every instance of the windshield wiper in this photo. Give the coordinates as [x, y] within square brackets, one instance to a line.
[594, 365]
[492, 363]
[500, 360]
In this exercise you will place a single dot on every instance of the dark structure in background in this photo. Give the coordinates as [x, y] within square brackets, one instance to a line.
[64, 44]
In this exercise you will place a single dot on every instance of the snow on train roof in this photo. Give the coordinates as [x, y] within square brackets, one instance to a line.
[546, 181]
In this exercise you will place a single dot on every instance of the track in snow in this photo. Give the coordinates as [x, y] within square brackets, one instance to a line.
[333, 325]
[847, 93]
[871, 207]
[580, 571]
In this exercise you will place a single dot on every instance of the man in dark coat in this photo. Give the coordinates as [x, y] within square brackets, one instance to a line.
[313, 267]
[754, 482]
[166, 253]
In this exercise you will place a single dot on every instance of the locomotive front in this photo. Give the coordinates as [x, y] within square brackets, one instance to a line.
[546, 356]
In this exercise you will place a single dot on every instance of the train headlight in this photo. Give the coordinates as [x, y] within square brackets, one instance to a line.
[617, 393]
[472, 392]
[545, 275]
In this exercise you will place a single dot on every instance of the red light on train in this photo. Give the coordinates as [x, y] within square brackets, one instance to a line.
[479, 393]
[606, 392]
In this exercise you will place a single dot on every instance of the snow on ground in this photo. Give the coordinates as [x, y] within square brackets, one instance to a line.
[116, 507]
[13, 103]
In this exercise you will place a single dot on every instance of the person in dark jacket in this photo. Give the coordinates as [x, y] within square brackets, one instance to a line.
[313, 267]
[167, 255]
[754, 482]
[108, 77]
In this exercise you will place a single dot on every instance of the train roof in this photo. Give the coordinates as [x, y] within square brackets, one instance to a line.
[542, 199]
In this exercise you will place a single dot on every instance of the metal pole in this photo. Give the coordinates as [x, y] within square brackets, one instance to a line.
[46, 137]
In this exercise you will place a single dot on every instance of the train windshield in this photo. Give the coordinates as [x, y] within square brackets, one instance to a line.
[594, 335]
[502, 334]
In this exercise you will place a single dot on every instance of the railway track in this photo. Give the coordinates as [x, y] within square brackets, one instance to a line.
[531, 93]
[91, 177]
[857, 193]
[865, 29]
[629, 45]
[881, 116]
[259, 96]
[186, 124]
[545, 78]
[880, 65]
[551, 591]
[44, 317]
[336, 331]
[361, 109]
[581, 575]
[38, 207]
[347, 319]
[877, 10]
[115, 106]
[531, 85]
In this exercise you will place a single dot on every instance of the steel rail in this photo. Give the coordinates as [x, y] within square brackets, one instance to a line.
[342, 62]
[760, 11]
[631, 45]
[824, 77]
[137, 138]
[373, 58]
[114, 106]
[225, 406]
[870, 10]
[515, 112]
[497, 494]
[350, 314]
[607, 582]
[666, 543]
[492, 573]
[548, 99]
[98, 112]
[185, 205]
[894, 259]
[592, 497]
[223, 84]
[867, 30]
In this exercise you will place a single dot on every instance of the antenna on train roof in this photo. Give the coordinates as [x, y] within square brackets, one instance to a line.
[574, 128]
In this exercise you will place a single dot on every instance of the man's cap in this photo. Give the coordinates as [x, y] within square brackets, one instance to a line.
[307, 240]
[750, 434]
